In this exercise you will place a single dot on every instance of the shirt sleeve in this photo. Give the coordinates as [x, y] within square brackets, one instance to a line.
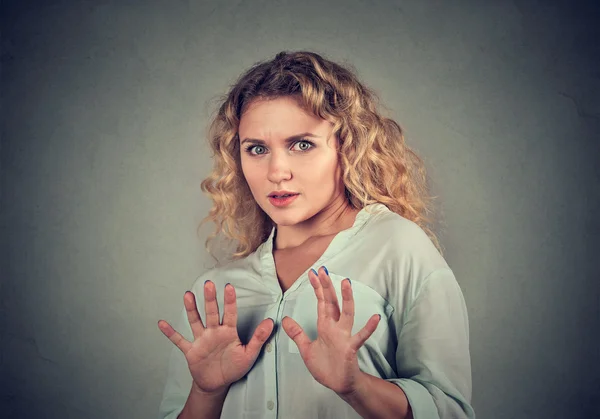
[432, 356]
[179, 379]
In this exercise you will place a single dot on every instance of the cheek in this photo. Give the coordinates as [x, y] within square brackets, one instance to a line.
[253, 175]
[247, 174]
[331, 172]
[322, 177]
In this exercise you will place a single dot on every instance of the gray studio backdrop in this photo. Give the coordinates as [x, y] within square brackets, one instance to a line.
[104, 113]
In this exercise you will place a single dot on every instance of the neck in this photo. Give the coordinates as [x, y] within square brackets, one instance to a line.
[331, 220]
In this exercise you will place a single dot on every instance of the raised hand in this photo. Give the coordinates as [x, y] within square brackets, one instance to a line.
[216, 357]
[331, 358]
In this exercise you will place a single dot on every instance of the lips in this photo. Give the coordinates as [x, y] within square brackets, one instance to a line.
[283, 196]
[283, 201]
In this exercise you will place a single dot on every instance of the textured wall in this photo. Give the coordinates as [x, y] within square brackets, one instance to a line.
[104, 113]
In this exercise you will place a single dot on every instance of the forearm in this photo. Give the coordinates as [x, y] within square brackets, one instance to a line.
[376, 398]
[200, 405]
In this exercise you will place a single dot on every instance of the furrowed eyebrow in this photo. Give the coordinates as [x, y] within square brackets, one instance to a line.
[288, 140]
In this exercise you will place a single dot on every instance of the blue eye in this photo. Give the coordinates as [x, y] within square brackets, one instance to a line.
[304, 142]
[251, 147]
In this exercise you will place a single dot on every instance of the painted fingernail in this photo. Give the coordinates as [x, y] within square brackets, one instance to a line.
[326, 271]
[315, 272]
[350, 282]
[206, 281]
[379, 316]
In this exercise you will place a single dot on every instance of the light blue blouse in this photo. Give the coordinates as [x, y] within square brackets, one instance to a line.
[421, 343]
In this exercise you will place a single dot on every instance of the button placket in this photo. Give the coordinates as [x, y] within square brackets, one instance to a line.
[270, 362]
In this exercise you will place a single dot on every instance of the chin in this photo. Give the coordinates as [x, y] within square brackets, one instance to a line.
[286, 217]
[285, 220]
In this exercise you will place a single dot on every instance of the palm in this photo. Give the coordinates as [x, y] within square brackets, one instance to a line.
[331, 358]
[217, 358]
[333, 365]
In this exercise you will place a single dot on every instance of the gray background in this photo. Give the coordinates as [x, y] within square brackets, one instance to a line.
[104, 113]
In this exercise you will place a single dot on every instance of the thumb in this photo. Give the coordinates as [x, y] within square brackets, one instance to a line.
[260, 336]
[295, 332]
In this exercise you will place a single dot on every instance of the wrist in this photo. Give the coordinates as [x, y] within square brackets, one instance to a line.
[209, 394]
[374, 397]
[361, 383]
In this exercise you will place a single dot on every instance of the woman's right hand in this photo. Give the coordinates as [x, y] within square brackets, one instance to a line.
[216, 357]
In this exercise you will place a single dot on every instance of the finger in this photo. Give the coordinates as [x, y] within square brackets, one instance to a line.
[347, 315]
[332, 308]
[189, 301]
[295, 332]
[313, 277]
[260, 336]
[230, 307]
[210, 304]
[365, 333]
[179, 341]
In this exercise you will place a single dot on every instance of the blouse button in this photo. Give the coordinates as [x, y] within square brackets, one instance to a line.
[270, 405]
[269, 347]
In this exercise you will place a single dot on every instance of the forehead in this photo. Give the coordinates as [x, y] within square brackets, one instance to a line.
[275, 117]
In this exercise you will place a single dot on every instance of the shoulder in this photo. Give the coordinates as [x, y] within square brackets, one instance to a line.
[401, 241]
[405, 259]
[405, 236]
[395, 225]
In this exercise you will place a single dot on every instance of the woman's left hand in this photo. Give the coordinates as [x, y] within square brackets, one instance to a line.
[331, 358]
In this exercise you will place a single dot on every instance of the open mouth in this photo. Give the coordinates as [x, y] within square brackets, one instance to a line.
[282, 200]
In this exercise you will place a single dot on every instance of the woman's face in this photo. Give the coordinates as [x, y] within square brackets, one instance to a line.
[285, 148]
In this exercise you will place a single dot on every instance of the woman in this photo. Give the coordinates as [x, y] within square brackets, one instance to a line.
[338, 303]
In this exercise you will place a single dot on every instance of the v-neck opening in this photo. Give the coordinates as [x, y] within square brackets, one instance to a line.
[337, 244]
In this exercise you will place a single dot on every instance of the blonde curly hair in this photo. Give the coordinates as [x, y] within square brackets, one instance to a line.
[376, 163]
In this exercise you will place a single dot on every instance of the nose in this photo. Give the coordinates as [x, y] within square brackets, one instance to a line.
[279, 168]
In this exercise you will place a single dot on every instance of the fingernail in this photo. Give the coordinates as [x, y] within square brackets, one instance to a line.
[350, 282]
[326, 271]
[206, 281]
[229, 283]
[379, 316]
[315, 272]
